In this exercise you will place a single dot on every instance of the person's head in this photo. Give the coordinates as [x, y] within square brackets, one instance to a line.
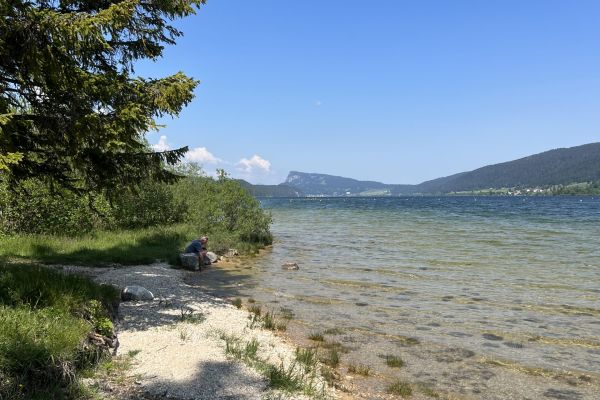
[204, 239]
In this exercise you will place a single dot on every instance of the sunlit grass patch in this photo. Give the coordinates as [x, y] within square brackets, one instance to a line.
[394, 361]
[399, 388]
[360, 369]
[46, 317]
[298, 376]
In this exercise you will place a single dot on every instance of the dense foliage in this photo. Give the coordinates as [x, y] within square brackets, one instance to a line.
[207, 205]
[71, 111]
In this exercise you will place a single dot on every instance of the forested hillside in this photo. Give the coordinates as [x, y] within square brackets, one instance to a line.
[555, 167]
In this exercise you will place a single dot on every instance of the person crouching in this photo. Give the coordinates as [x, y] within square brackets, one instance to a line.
[198, 247]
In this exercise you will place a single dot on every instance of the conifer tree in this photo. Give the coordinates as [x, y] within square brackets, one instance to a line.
[72, 111]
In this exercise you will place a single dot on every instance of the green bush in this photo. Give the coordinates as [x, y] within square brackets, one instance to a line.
[35, 208]
[219, 207]
[152, 204]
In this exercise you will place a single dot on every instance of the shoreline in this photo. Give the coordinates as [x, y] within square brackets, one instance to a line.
[177, 342]
[435, 370]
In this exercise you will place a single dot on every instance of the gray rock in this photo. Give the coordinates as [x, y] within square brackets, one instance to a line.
[212, 256]
[231, 253]
[189, 261]
[290, 266]
[136, 293]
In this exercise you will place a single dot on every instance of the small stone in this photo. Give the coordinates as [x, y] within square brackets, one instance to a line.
[231, 253]
[290, 266]
[136, 293]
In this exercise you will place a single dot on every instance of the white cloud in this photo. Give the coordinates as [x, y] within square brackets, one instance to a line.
[202, 155]
[256, 162]
[162, 144]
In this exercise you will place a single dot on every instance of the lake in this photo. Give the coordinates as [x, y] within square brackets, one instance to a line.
[483, 297]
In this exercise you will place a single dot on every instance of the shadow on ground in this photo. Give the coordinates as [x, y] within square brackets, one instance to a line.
[213, 380]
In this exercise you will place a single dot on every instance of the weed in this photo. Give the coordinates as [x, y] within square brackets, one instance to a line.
[254, 320]
[283, 378]
[251, 348]
[269, 321]
[333, 344]
[289, 379]
[360, 369]
[332, 359]
[133, 353]
[307, 357]
[286, 313]
[237, 302]
[333, 331]
[251, 300]
[394, 361]
[187, 315]
[317, 337]
[282, 327]
[399, 388]
[330, 375]
[256, 310]
[427, 390]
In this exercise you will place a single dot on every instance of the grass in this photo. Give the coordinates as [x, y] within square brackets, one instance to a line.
[286, 313]
[399, 388]
[333, 331]
[269, 321]
[126, 247]
[288, 379]
[394, 361]
[307, 357]
[360, 369]
[332, 358]
[188, 315]
[256, 310]
[237, 302]
[281, 326]
[317, 337]
[46, 317]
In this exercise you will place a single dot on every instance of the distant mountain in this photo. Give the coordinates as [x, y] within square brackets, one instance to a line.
[280, 190]
[321, 184]
[554, 167]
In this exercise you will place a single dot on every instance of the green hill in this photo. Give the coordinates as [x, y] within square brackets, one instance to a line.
[280, 190]
[563, 167]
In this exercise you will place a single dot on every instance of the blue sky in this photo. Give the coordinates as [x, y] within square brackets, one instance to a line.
[393, 91]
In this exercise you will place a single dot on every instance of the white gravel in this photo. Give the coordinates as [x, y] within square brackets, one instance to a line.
[184, 360]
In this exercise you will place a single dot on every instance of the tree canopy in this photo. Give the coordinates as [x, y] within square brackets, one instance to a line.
[72, 111]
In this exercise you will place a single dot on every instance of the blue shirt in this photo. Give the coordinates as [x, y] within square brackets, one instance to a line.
[195, 247]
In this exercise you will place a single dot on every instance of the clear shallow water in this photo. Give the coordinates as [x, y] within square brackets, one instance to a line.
[510, 278]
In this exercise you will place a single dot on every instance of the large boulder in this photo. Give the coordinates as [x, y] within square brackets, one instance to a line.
[136, 293]
[189, 261]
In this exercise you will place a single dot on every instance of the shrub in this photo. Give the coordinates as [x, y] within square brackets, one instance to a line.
[400, 388]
